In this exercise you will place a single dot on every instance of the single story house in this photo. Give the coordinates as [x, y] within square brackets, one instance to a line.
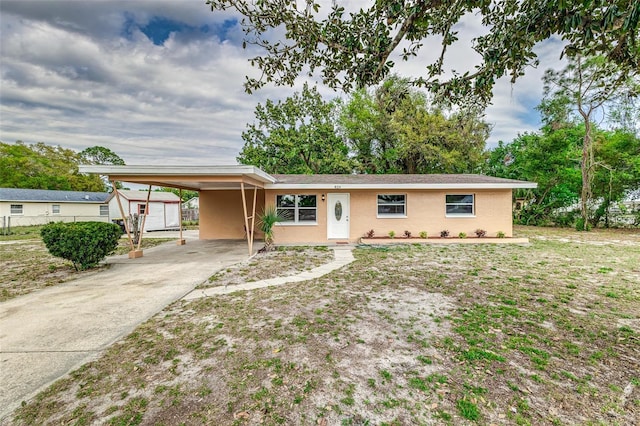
[26, 207]
[191, 209]
[163, 211]
[333, 208]
[192, 203]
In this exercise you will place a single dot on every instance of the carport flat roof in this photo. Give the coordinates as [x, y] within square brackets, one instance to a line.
[186, 177]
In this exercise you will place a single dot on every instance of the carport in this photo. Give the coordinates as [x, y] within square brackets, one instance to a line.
[195, 178]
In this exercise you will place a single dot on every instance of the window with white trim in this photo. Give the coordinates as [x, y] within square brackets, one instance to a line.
[142, 209]
[297, 208]
[55, 208]
[392, 205]
[460, 205]
[104, 210]
[16, 208]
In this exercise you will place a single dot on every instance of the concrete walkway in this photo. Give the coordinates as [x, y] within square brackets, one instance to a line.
[342, 256]
[48, 333]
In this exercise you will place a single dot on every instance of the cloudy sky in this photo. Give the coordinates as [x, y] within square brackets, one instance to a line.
[160, 81]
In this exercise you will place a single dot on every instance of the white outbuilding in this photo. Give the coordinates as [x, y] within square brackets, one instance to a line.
[163, 213]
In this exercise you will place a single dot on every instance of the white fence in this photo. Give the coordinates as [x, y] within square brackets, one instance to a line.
[190, 214]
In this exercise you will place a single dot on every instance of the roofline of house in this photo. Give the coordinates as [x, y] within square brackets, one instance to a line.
[56, 201]
[448, 186]
[271, 182]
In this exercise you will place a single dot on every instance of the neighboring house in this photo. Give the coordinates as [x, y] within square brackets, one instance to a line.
[163, 213]
[191, 209]
[193, 203]
[334, 208]
[623, 213]
[26, 207]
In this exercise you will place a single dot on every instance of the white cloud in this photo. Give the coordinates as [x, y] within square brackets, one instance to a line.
[80, 74]
[182, 101]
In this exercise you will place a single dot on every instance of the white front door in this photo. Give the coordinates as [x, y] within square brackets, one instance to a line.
[338, 216]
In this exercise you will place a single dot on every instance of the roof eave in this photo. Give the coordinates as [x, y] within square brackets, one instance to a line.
[448, 186]
[159, 170]
[58, 201]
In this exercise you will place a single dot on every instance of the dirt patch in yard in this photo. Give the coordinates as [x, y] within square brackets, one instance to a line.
[537, 334]
[27, 266]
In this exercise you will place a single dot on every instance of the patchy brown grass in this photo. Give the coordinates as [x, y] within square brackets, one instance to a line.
[27, 265]
[541, 334]
[282, 262]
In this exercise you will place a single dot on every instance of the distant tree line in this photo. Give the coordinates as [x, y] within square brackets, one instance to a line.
[42, 166]
[390, 129]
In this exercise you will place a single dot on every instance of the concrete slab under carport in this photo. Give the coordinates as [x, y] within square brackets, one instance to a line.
[46, 334]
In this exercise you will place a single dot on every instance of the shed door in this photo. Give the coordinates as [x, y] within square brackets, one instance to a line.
[338, 216]
[171, 215]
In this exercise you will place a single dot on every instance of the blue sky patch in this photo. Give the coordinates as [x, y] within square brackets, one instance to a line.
[159, 29]
[531, 116]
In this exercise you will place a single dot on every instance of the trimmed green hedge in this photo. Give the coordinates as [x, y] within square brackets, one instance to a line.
[83, 243]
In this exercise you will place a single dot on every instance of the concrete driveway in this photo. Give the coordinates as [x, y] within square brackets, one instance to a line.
[46, 334]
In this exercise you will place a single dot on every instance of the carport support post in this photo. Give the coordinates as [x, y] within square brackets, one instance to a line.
[124, 219]
[144, 218]
[246, 218]
[253, 217]
[181, 240]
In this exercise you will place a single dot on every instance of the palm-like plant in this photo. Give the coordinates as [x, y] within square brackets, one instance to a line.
[268, 218]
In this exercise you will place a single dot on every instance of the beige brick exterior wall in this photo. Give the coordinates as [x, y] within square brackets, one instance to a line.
[222, 217]
[425, 212]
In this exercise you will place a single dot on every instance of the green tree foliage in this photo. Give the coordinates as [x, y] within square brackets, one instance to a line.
[85, 244]
[584, 87]
[360, 124]
[430, 142]
[552, 158]
[41, 166]
[365, 124]
[102, 155]
[617, 170]
[395, 129]
[351, 49]
[295, 136]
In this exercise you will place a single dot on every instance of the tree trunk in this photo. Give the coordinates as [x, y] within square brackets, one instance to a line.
[587, 172]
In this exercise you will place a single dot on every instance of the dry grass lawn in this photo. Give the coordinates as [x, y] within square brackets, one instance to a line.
[546, 333]
[27, 265]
